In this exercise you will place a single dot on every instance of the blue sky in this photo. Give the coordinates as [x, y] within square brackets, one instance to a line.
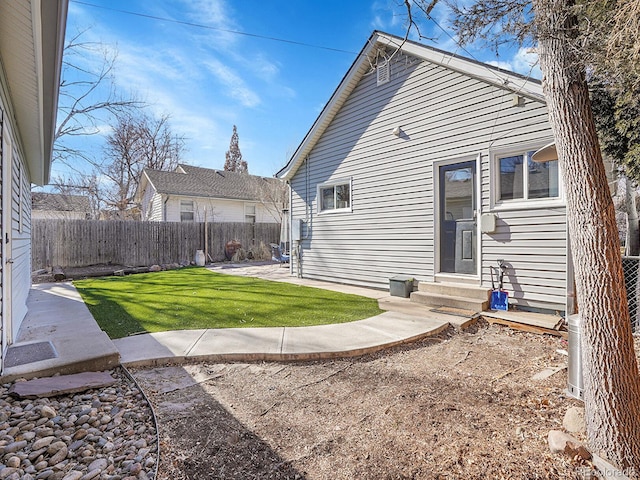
[209, 79]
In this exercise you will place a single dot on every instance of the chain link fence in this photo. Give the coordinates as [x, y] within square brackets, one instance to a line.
[631, 267]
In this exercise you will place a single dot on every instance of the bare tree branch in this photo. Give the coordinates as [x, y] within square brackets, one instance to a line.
[137, 142]
[86, 95]
[273, 195]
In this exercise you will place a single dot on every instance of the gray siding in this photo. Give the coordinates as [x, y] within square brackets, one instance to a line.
[533, 244]
[20, 242]
[3, 142]
[17, 212]
[444, 116]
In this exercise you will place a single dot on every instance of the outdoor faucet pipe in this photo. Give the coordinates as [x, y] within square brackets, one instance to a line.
[501, 269]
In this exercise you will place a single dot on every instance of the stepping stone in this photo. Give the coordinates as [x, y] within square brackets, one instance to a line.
[61, 385]
[547, 372]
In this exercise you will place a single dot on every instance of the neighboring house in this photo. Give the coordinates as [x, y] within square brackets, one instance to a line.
[60, 206]
[132, 213]
[31, 45]
[189, 193]
[420, 164]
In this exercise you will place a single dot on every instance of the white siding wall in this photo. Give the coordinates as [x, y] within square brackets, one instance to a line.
[444, 116]
[218, 210]
[17, 213]
[151, 204]
[3, 152]
[20, 242]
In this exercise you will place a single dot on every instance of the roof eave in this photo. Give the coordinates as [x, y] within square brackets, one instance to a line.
[54, 21]
[483, 72]
[48, 21]
[208, 197]
[339, 96]
[478, 70]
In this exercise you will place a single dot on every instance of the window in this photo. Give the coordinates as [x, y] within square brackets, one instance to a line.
[186, 211]
[335, 196]
[249, 213]
[536, 181]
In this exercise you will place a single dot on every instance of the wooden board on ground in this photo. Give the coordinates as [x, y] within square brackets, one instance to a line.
[527, 321]
[61, 385]
[459, 312]
[552, 322]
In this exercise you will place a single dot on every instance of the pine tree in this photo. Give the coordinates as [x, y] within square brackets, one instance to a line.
[234, 162]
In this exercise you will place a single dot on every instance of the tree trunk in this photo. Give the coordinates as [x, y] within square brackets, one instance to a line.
[611, 378]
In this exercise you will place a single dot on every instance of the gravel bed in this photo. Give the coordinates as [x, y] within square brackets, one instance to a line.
[100, 434]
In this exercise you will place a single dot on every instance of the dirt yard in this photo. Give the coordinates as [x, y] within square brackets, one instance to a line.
[460, 406]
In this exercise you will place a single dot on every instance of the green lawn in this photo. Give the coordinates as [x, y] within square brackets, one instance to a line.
[193, 298]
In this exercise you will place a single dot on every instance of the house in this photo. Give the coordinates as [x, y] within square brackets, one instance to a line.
[191, 194]
[31, 45]
[420, 165]
[61, 206]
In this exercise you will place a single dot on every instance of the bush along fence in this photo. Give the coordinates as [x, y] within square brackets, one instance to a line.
[78, 243]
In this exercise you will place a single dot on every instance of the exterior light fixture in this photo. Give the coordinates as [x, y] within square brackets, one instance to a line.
[545, 154]
[397, 131]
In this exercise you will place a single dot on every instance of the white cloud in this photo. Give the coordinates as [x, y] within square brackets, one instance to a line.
[216, 14]
[524, 62]
[387, 15]
[265, 68]
[229, 59]
[104, 129]
[211, 12]
[237, 89]
[501, 64]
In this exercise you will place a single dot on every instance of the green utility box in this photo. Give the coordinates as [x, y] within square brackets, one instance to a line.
[401, 286]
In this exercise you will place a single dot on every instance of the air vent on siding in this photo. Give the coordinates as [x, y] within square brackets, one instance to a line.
[382, 71]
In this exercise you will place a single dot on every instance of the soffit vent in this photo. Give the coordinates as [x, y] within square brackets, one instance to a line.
[382, 71]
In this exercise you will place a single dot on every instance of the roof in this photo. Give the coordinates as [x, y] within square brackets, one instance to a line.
[381, 41]
[31, 46]
[60, 202]
[191, 181]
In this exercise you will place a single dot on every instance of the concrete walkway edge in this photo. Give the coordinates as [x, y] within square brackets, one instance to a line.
[278, 343]
[58, 317]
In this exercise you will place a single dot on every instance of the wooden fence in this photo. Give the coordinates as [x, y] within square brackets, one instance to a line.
[77, 243]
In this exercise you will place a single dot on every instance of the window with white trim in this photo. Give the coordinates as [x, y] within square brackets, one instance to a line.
[250, 212]
[186, 211]
[536, 181]
[334, 196]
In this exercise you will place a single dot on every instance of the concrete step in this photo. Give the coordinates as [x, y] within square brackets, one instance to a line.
[85, 352]
[455, 290]
[438, 300]
[59, 336]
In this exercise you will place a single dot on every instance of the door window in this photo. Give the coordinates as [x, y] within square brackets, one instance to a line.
[457, 218]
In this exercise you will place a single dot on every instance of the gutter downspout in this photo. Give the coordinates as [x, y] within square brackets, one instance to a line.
[164, 209]
[307, 214]
[290, 227]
